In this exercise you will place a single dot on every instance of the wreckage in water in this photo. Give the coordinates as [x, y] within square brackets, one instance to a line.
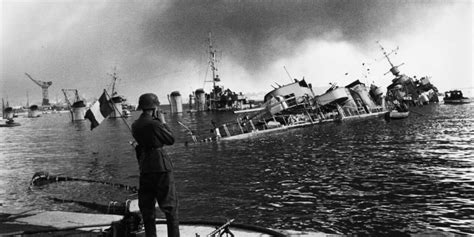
[295, 105]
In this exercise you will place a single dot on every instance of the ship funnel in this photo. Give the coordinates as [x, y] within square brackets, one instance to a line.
[176, 102]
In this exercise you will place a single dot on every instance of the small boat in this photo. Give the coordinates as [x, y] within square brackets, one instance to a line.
[394, 114]
[455, 97]
[397, 110]
[10, 123]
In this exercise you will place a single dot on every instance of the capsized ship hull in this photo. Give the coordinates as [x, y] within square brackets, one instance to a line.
[294, 106]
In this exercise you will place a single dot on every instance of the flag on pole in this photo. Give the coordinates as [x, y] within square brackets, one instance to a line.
[99, 111]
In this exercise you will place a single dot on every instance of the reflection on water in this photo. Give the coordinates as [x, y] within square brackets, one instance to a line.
[364, 177]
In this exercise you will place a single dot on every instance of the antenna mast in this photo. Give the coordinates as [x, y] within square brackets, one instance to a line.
[212, 60]
[114, 79]
[394, 69]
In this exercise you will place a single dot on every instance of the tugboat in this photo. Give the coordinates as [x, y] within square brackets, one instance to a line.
[409, 90]
[455, 97]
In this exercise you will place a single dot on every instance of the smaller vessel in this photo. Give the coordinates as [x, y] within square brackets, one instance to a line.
[455, 97]
[394, 114]
[10, 123]
[397, 110]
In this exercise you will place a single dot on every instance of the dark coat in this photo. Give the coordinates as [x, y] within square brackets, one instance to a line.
[151, 135]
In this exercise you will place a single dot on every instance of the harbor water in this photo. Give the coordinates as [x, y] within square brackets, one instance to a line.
[354, 177]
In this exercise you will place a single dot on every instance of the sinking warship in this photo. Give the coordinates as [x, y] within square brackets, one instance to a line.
[219, 98]
[406, 90]
[295, 105]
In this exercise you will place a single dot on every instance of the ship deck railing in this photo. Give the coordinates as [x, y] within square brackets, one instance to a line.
[265, 122]
[243, 126]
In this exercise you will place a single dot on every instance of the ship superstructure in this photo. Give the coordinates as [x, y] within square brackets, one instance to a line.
[295, 105]
[116, 100]
[219, 98]
[408, 90]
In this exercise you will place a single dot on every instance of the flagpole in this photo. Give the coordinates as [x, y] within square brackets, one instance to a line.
[115, 109]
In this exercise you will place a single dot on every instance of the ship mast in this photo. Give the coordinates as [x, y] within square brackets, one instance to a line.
[393, 69]
[114, 79]
[212, 65]
[3, 109]
[212, 60]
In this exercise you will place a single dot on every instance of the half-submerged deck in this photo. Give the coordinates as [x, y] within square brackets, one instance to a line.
[295, 113]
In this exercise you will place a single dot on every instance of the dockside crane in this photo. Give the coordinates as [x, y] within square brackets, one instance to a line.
[44, 86]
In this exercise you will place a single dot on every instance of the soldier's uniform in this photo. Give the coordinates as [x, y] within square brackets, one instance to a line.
[156, 171]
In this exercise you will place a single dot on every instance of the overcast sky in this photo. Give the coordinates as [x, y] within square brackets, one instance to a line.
[161, 46]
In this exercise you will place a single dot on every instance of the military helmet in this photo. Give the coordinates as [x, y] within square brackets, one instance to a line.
[148, 101]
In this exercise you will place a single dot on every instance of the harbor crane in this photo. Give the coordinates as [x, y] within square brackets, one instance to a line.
[44, 86]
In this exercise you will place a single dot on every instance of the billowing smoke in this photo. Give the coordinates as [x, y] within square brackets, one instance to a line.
[254, 33]
[161, 46]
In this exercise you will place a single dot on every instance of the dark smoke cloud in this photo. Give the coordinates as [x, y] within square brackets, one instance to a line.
[162, 44]
[257, 32]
